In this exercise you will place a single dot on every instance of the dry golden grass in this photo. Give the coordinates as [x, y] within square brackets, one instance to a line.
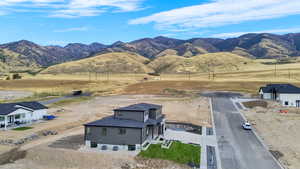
[17, 62]
[111, 62]
[44, 88]
[221, 61]
[159, 87]
[248, 80]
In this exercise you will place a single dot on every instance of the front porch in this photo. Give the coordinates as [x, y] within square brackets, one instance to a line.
[155, 131]
[14, 121]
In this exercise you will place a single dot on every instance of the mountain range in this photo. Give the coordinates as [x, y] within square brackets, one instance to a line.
[24, 53]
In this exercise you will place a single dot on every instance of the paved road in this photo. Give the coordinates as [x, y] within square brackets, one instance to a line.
[51, 101]
[239, 149]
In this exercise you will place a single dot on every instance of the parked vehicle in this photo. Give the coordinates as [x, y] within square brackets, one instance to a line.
[77, 93]
[247, 126]
[49, 117]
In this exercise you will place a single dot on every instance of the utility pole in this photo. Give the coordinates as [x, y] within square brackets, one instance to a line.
[107, 71]
[90, 75]
[289, 74]
[275, 71]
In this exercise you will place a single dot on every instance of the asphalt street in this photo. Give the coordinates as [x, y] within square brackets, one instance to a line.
[239, 149]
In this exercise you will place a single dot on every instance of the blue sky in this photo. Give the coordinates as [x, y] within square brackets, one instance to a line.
[58, 22]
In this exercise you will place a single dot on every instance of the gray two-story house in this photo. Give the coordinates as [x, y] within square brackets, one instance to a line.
[129, 128]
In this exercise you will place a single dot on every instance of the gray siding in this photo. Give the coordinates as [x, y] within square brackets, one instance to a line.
[133, 136]
[130, 115]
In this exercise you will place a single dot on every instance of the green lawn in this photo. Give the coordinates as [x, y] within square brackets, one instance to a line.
[22, 128]
[178, 152]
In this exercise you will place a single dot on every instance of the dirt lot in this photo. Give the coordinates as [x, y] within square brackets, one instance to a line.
[61, 151]
[162, 87]
[280, 131]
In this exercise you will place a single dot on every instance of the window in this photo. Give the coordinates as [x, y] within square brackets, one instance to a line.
[118, 114]
[18, 116]
[104, 132]
[23, 116]
[88, 130]
[122, 131]
[286, 103]
[131, 147]
[93, 145]
[1, 118]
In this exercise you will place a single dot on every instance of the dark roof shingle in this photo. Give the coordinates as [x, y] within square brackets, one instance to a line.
[280, 88]
[110, 121]
[139, 107]
[114, 122]
[7, 108]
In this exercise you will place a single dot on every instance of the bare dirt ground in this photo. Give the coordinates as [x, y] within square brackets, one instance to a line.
[280, 131]
[61, 151]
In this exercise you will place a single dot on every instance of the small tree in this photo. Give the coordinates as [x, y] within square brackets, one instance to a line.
[16, 76]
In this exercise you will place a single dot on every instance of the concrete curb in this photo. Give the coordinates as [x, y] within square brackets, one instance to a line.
[259, 138]
[203, 163]
[219, 164]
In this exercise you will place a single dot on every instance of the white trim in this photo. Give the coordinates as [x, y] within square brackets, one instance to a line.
[26, 108]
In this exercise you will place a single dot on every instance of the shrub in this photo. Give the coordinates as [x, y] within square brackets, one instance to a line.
[16, 76]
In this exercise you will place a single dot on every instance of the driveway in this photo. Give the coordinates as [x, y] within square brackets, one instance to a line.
[239, 149]
[183, 136]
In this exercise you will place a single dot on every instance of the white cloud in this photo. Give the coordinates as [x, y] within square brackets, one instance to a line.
[124, 5]
[236, 34]
[221, 12]
[75, 29]
[75, 8]
[78, 8]
[17, 2]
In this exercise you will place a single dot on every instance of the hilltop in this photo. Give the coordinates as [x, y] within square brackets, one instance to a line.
[26, 55]
[132, 63]
[221, 61]
[110, 62]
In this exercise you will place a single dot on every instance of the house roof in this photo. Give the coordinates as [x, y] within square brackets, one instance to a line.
[7, 108]
[139, 107]
[114, 122]
[280, 88]
[110, 121]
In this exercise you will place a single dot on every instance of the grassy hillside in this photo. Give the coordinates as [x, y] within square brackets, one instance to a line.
[15, 61]
[222, 61]
[110, 62]
[3, 67]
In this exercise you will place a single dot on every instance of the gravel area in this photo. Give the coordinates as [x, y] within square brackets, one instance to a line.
[70, 142]
[11, 95]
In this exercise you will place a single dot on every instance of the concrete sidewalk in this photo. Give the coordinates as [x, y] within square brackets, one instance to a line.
[209, 141]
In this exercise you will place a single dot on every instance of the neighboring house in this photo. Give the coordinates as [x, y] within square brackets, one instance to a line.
[14, 114]
[129, 128]
[287, 94]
